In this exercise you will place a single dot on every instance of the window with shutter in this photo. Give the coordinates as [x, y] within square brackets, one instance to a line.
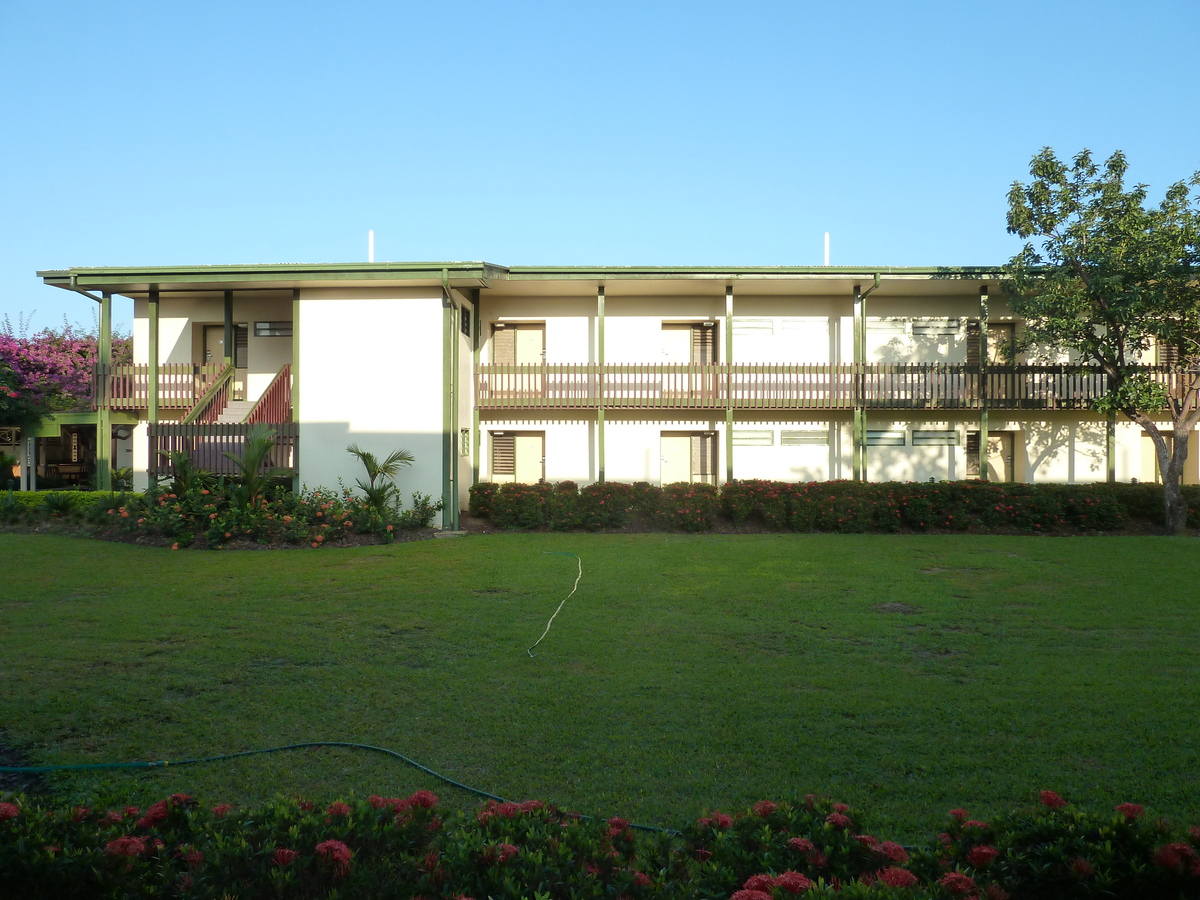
[504, 454]
[241, 343]
[704, 343]
[504, 345]
[704, 457]
[973, 448]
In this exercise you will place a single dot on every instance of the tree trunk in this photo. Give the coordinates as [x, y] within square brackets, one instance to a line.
[1175, 508]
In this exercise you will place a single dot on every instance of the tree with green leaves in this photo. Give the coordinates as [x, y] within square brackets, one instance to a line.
[1112, 282]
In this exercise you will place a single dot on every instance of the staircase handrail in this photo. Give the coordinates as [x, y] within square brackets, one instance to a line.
[280, 387]
[223, 378]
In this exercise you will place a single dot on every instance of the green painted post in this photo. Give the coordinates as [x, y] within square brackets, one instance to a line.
[296, 382]
[983, 403]
[728, 383]
[1110, 447]
[448, 499]
[455, 363]
[600, 383]
[228, 344]
[153, 354]
[860, 343]
[103, 410]
[476, 330]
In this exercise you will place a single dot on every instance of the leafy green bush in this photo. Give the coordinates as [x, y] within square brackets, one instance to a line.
[480, 498]
[688, 506]
[605, 505]
[520, 505]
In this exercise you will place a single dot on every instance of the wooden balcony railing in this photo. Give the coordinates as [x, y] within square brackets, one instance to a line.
[795, 386]
[180, 385]
[275, 404]
[207, 444]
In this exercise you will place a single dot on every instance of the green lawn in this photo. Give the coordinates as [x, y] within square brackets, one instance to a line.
[906, 674]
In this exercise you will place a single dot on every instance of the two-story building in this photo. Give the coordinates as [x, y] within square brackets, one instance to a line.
[659, 374]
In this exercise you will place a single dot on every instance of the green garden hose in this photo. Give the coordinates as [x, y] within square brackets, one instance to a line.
[164, 763]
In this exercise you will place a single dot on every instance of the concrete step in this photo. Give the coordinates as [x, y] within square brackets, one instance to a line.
[235, 411]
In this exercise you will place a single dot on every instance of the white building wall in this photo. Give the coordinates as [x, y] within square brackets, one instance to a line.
[371, 374]
[817, 459]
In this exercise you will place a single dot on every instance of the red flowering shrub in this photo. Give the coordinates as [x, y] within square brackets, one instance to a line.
[1131, 811]
[839, 821]
[337, 809]
[127, 845]
[892, 851]
[9, 811]
[896, 877]
[957, 883]
[764, 808]
[509, 847]
[336, 854]
[980, 855]
[793, 882]
[1052, 800]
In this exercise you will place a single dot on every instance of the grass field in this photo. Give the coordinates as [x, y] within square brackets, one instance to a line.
[906, 675]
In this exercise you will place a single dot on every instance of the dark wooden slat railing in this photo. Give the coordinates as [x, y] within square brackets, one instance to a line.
[796, 386]
[275, 404]
[207, 444]
[128, 386]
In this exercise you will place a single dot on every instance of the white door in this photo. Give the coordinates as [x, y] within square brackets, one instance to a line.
[676, 458]
[530, 457]
[1000, 456]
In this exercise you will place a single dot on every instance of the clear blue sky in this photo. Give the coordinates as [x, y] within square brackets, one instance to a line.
[526, 133]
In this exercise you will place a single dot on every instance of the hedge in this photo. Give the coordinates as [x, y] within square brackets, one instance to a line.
[406, 847]
[829, 506]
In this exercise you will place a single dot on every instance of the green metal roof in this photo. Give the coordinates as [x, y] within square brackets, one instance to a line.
[121, 279]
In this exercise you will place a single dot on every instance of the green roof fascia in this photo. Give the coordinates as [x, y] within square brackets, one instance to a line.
[282, 274]
[567, 273]
[591, 273]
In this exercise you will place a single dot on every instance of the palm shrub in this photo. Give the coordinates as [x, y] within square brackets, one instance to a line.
[380, 488]
[254, 465]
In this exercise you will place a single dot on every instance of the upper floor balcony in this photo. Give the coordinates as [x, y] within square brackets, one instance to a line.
[200, 394]
[795, 386]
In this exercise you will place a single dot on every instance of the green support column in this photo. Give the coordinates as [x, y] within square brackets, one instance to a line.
[728, 383]
[228, 343]
[860, 418]
[153, 360]
[103, 411]
[296, 381]
[983, 402]
[1110, 447]
[455, 385]
[476, 330]
[449, 501]
[600, 383]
